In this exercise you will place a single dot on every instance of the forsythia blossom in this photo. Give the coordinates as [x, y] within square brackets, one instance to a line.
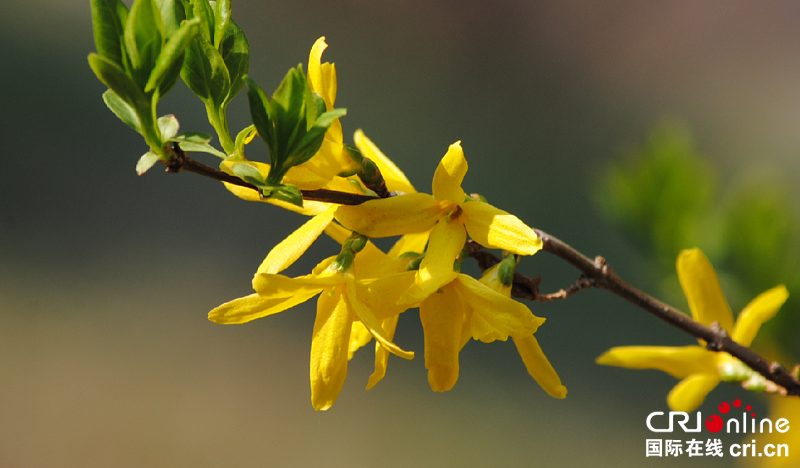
[700, 369]
[450, 215]
[363, 291]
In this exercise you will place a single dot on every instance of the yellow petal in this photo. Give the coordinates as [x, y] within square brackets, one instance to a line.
[410, 243]
[466, 328]
[322, 267]
[442, 317]
[381, 354]
[291, 248]
[371, 321]
[252, 307]
[359, 336]
[497, 229]
[329, 346]
[701, 287]
[309, 208]
[381, 295]
[539, 367]
[370, 262]
[274, 286]
[491, 279]
[483, 331]
[329, 77]
[678, 362]
[436, 269]
[331, 158]
[395, 216]
[779, 408]
[449, 175]
[298, 176]
[394, 177]
[689, 394]
[758, 311]
[340, 235]
[321, 77]
[503, 313]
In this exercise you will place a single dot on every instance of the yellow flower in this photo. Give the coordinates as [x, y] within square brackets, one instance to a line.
[337, 308]
[779, 407]
[478, 328]
[305, 179]
[331, 159]
[450, 216]
[291, 248]
[382, 278]
[448, 312]
[700, 369]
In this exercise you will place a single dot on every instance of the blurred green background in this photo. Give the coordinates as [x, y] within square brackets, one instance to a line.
[106, 356]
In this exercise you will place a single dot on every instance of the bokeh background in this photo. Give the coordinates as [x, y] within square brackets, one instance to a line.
[106, 355]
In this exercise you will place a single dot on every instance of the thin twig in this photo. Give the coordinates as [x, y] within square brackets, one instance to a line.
[582, 283]
[718, 340]
[181, 162]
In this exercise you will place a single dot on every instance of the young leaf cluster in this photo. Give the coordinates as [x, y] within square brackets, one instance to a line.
[139, 57]
[216, 62]
[293, 125]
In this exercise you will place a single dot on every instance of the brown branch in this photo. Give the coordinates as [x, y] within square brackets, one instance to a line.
[524, 287]
[582, 283]
[595, 273]
[180, 161]
[604, 277]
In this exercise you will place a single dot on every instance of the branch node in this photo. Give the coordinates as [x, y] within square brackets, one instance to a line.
[177, 158]
[720, 335]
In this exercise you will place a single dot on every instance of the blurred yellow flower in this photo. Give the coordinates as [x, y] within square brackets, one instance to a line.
[701, 369]
[779, 407]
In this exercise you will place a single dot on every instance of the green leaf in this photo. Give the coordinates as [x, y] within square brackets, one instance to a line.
[122, 109]
[172, 14]
[201, 148]
[205, 72]
[235, 53]
[249, 174]
[143, 37]
[146, 162]
[222, 17]
[288, 193]
[170, 59]
[261, 116]
[245, 134]
[326, 119]
[197, 142]
[316, 106]
[288, 110]
[168, 125]
[202, 9]
[116, 79]
[193, 137]
[306, 147]
[107, 28]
